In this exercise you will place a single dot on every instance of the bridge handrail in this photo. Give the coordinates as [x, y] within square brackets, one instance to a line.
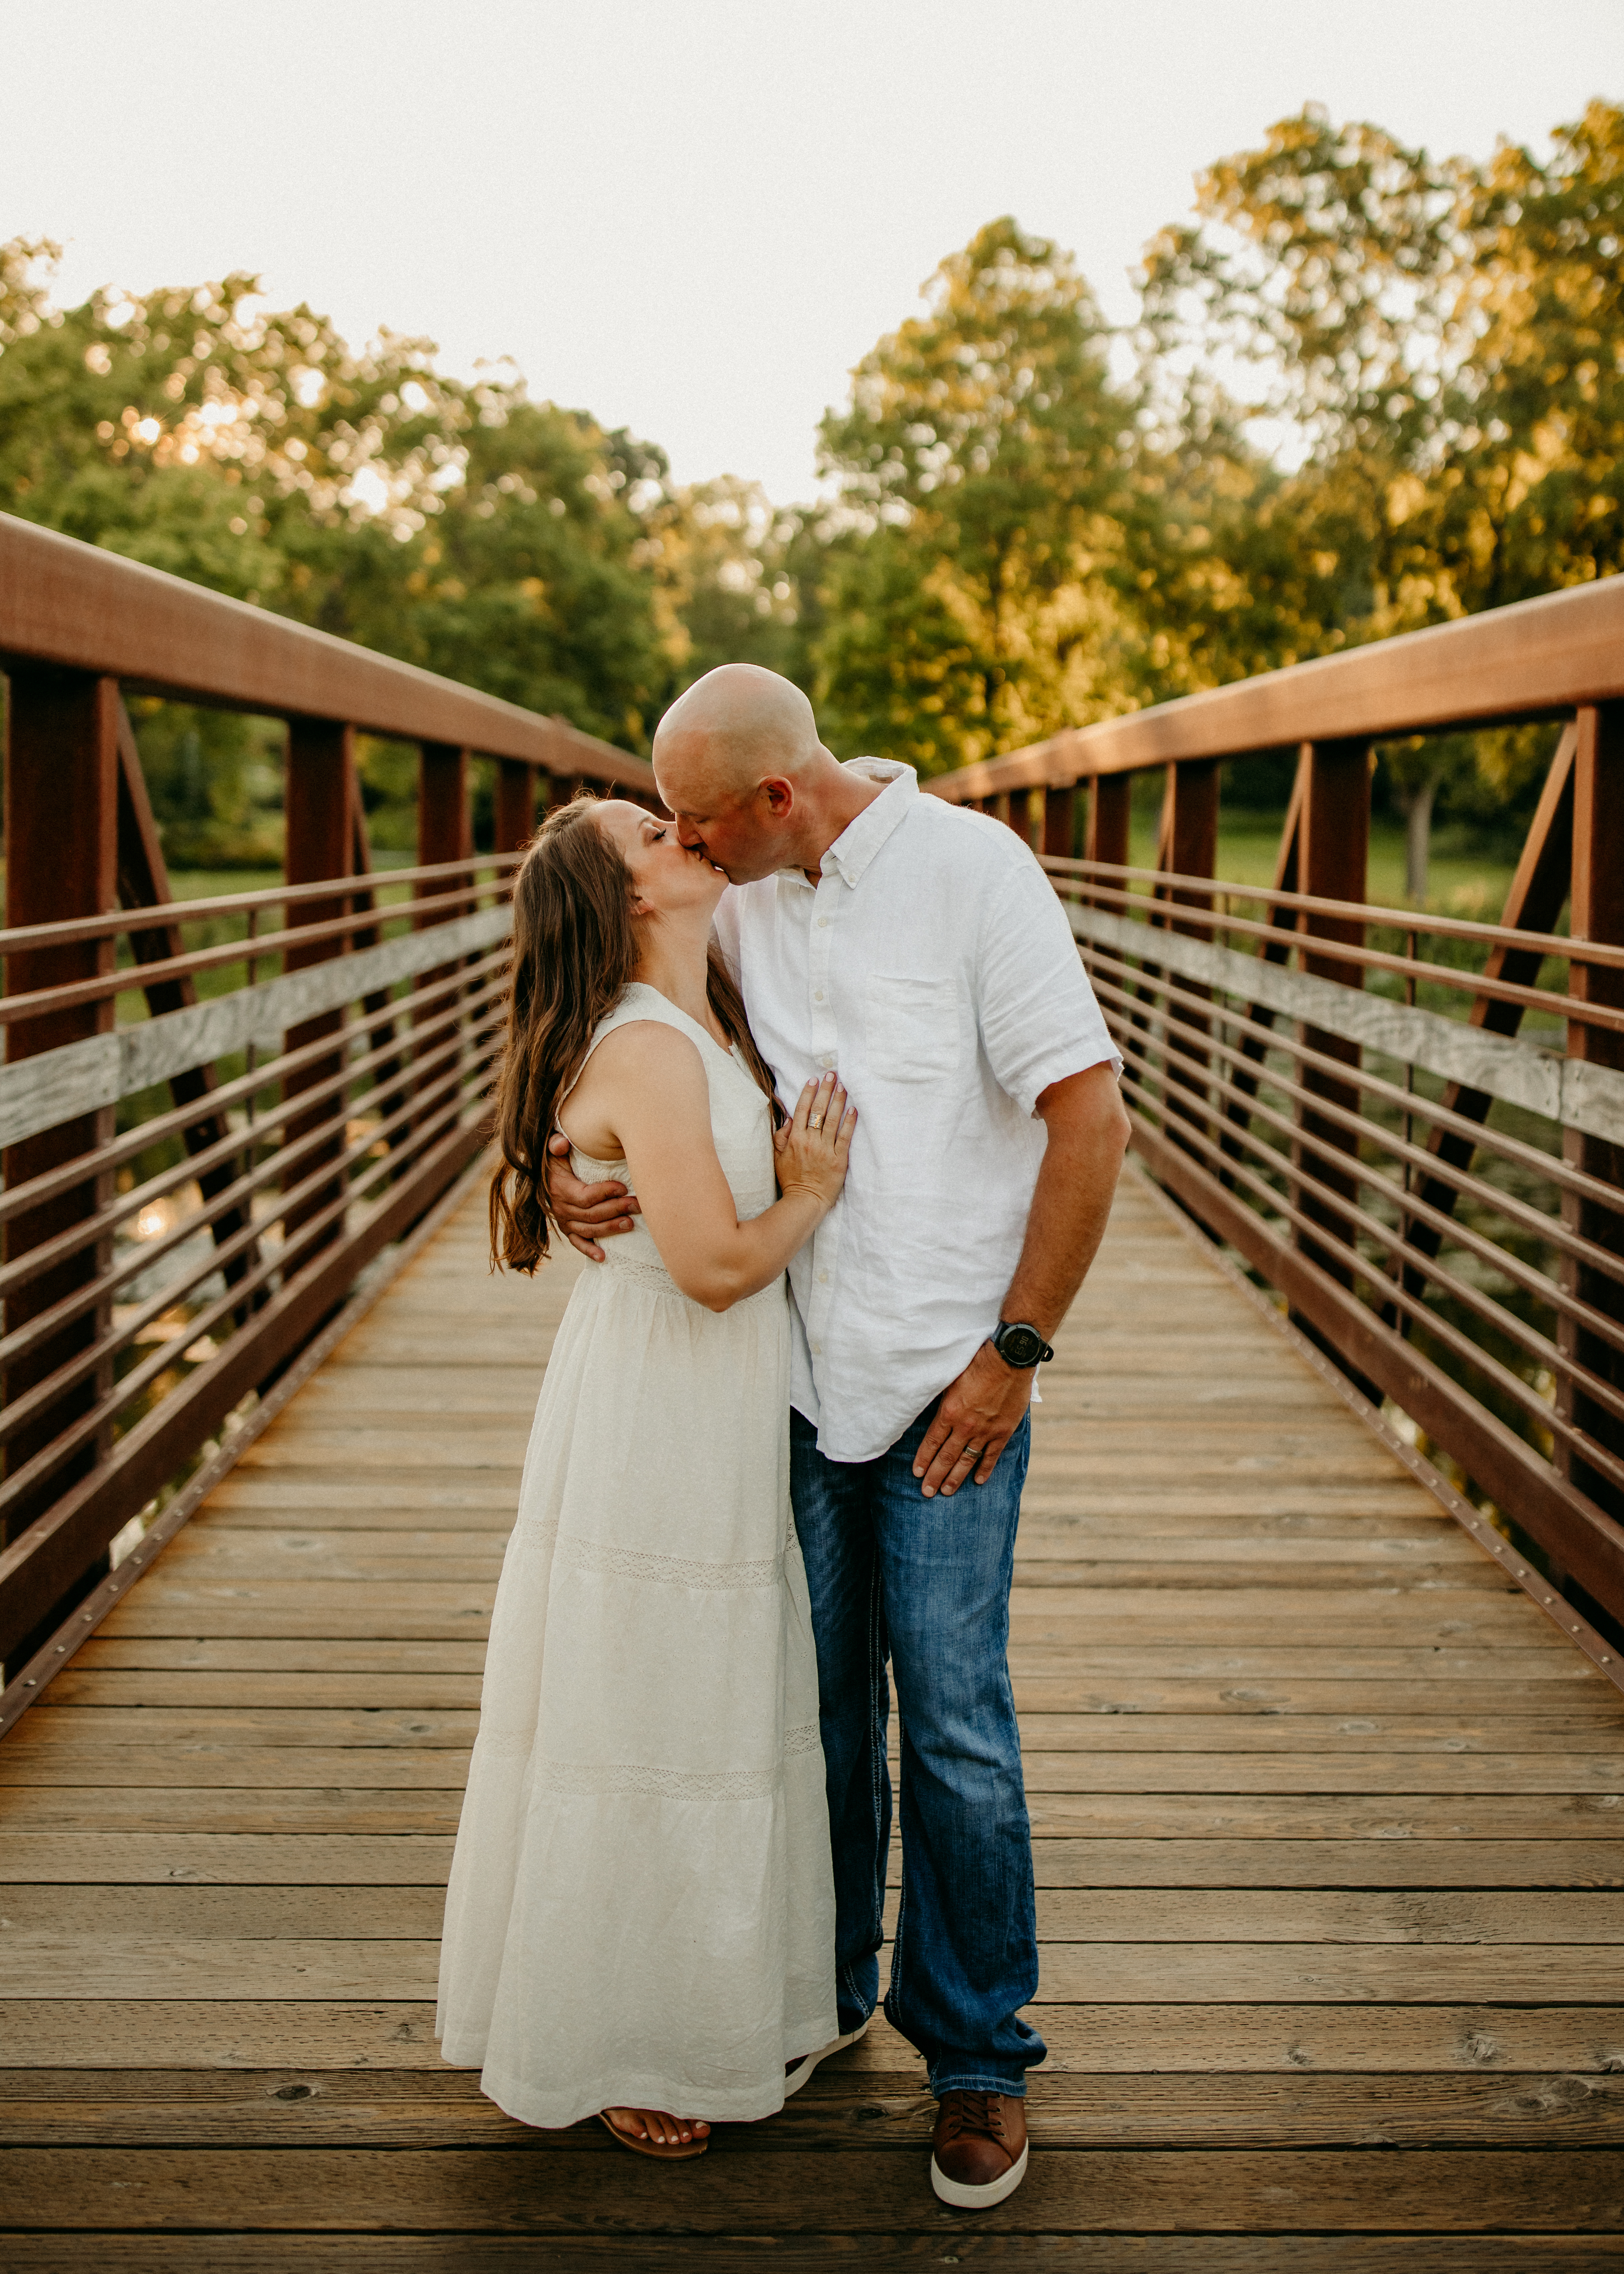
[1538, 659]
[81, 607]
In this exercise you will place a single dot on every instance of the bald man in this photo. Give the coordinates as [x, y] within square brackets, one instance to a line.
[918, 947]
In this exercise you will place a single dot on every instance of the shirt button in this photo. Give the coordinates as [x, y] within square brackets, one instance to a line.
[824, 1278]
[822, 924]
[817, 994]
[817, 1350]
[827, 1060]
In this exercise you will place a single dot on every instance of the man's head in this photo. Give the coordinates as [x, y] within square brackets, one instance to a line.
[739, 763]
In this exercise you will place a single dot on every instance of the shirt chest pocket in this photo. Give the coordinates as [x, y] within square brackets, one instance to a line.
[914, 1031]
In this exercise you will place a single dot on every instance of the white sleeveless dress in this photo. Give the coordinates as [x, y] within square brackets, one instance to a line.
[641, 1910]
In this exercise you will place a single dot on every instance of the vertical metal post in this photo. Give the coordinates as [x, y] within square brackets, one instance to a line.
[515, 805]
[444, 833]
[321, 792]
[1191, 841]
[1109, 837]
[1058, 809]
[60, 862]
[442, 804]
[1596, 912]
[1332, 859]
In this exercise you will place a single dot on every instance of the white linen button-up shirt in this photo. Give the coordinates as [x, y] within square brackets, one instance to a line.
[933, 966]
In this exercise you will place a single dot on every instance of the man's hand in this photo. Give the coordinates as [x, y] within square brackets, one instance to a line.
[586, 1213]
[976, 1418]
[981, 1412]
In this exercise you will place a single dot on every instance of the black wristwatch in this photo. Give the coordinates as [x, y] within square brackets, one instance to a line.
[1018, 1344]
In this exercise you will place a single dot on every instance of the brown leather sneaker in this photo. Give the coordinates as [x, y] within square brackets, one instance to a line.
[978, 2154]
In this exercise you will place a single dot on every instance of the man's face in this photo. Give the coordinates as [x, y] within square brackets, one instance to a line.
[746, 837]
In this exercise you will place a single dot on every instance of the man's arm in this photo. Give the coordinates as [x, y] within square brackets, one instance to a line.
[980, 1412]
[586, 1213]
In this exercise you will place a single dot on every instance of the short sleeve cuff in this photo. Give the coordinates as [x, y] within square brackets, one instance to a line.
[1059, 1065]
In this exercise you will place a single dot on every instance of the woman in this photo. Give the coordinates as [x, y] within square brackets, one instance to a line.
[639, 1921]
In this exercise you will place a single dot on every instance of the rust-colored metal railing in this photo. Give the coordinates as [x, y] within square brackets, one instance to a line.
[1411, 1127]
[215, 1115]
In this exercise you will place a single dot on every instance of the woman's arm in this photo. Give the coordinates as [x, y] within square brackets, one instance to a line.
[646, 1084]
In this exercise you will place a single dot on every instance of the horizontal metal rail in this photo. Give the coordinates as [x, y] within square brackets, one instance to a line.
[1475, 1310]
[359, 1079]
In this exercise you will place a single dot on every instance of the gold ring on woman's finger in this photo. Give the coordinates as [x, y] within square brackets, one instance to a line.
[814, 1121]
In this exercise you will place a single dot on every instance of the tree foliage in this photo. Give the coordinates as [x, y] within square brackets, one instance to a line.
[1371, 390]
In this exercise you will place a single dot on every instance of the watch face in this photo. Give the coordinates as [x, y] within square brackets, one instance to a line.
[1020, 1345]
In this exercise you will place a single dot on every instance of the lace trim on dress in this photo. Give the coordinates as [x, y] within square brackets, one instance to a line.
[646, 1274]
[581, 1779]
[505, 1745]
[530, 1538]
[621, 1776]
[668, 1570]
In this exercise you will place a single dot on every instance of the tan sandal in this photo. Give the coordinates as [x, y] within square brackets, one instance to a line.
[672, 2154]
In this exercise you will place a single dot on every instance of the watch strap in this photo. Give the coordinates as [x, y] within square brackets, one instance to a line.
[1007, 1329]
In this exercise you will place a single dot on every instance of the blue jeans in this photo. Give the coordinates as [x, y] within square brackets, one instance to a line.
[925, 1583]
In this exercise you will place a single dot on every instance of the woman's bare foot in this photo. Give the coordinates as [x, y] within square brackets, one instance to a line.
[652, 2127]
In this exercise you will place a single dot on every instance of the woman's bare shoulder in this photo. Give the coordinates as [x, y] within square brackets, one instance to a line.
[636, 1062]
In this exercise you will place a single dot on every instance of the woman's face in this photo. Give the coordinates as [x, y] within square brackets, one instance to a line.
[667, 878]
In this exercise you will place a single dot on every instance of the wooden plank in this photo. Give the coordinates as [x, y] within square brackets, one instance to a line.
[292, 1715]
[1307, 1732]
[399, 1657]
[792, 2250]
[1152, 2254]
[1330, 1816]
[60, 1766]
[347, 1858]
[377, 1812]
[277, 2108]
[1069, 1916]
[1076, 1568]
[1523, 2039]
[168, 1966]
[520, 2191]
[191, 1912]
[112, 1808]
[79, 1726]
[1395, 1773]
[143, 1690]
[1261, 1713]
[227, 1859]
[48, 1761]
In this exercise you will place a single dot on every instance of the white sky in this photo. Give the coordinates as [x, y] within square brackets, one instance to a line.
[692, 216]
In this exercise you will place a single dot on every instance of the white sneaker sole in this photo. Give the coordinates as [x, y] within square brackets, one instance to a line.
[963, 2198]
[804, 2068]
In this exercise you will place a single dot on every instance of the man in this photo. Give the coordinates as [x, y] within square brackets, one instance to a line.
[919, 948]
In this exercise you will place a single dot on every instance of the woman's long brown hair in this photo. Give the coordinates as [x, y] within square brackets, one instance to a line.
[574, 953]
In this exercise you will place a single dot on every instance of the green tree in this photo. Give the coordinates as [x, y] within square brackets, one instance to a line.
[983, 454]
[1446, 341]
[496, 539]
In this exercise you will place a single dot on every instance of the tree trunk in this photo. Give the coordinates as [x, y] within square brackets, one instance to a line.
[1418, 840]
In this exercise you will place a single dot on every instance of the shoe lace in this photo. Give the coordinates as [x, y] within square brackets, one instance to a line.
[973, 2112]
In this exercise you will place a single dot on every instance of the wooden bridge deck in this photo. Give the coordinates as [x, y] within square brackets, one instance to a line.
[1328, 1827]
